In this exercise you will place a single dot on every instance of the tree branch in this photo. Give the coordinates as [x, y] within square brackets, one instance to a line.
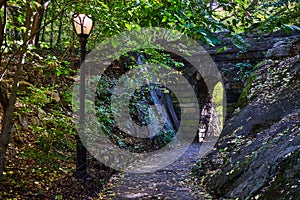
[26, 41]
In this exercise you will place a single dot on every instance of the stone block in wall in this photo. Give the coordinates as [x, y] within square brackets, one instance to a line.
[282, 47]
[190, 71]
[190, 110]
[238, 57]
[236, 86]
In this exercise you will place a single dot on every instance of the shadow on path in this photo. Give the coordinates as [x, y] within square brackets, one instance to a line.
[171, 182]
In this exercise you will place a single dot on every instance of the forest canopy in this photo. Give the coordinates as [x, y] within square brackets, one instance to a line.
[51, 20]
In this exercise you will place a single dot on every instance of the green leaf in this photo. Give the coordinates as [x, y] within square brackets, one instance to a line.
[240, 2]
[221, 49]
[128, 26]
[114, 43]
[164, 19]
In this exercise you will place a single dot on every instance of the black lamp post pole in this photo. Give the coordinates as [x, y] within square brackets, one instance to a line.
[81, 161]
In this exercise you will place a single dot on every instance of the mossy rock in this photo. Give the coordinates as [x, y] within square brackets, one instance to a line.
[243, 100]
[261, 140]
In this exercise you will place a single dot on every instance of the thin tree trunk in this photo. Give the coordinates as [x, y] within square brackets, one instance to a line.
[13, 14]
[8, 117]
[3, 96]
[40, 19]
[45, 18]
[52, 28]
[59, 31]
[2, 28]
[37, 22]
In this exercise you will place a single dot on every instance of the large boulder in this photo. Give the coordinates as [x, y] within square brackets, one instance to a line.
[257, 156]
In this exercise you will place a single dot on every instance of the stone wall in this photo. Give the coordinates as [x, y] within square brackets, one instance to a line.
[257, 48]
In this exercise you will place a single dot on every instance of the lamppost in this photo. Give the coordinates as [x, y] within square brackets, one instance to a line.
[83, 26]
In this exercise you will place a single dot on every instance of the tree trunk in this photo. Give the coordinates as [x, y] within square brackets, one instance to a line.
[59, 31]
[3, 95]
[41, 16]
[37, 33]
[2, 28]
[14, 33]
[52, 27]
[37, 22]
[8, 116]
[45, 18]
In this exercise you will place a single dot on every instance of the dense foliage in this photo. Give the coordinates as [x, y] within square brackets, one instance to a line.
[39, 63]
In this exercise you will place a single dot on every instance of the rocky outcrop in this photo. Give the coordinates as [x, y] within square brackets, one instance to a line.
[257, 156]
